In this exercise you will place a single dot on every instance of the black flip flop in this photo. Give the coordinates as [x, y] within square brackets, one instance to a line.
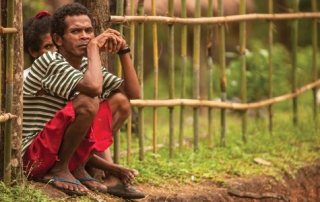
[67, 191]
[125, 192]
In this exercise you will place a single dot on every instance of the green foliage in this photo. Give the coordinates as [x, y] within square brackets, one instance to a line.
[31, 7]
[257, 74]
[21, 193]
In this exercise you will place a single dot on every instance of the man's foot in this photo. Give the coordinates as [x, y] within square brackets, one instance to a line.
[81, 174]
[66, 182]
[121, 174]
[85, 181]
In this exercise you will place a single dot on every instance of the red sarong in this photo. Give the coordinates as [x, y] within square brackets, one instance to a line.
[43, 151]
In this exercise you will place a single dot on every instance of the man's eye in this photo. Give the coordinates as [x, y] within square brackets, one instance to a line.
[75, 31]
[48, 46]
[89, 30]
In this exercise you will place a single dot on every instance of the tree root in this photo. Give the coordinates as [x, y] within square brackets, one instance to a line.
[245, 194]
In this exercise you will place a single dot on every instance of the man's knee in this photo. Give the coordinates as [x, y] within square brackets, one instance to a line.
[86, 105]
[120, 103]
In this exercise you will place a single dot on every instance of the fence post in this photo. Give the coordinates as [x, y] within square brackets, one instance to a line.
[119, 27]
[314, 60]
[294, 42]
[9, 94]
[132, 45]
[196, 74]
[223, 79]
[183, 71]
[242, 51]
[171, 77]
[209, 72]
[140, 78]
[270, 8]
[156, 70]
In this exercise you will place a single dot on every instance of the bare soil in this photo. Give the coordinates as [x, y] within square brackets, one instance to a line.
[304, 187]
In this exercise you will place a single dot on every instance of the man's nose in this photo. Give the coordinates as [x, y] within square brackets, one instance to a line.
[84, 34]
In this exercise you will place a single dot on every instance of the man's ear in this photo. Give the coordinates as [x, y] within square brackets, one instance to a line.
[57, 39]
[34, 54]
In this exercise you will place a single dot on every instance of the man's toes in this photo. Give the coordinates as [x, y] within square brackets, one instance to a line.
[135, 172]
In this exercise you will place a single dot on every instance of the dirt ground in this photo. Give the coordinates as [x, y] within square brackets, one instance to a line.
[304, 187]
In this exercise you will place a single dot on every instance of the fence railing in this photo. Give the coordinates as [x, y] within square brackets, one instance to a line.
[195, 103]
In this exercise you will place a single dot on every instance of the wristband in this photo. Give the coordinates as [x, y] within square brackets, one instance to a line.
[123, 51]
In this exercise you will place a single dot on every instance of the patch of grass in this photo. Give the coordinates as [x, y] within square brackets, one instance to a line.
[288, 148]
[21, 192]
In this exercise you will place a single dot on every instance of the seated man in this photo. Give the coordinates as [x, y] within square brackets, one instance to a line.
[67, 116]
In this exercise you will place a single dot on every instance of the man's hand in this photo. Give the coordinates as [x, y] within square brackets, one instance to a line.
[109, 40]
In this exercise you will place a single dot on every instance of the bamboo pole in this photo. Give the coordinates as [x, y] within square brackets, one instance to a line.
[171, 77]
[9, 94]
[140, 78]
[270, 8]
[209, 73]
[119, 27]
[2, 168]
[196, 74]
[214, 20]
[223, 79]
[6, 116]
[224, 105]
[314, 60]
[294, 39]
[132, 45]
[183, 71]
[156, 69]
[7, 30]
[243, 77]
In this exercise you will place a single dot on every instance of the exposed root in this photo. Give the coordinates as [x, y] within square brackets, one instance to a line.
[245, 194]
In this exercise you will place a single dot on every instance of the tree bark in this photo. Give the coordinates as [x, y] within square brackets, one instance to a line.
[17, 105]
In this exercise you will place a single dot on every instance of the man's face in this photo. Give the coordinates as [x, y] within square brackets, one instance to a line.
[78, 33]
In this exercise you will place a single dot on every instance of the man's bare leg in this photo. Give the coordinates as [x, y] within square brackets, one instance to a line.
[115, 174]
[85, 109]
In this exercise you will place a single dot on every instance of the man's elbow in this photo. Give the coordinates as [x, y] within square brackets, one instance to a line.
[135, 95]
[94, 91]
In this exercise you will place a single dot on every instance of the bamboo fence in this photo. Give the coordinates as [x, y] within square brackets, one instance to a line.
[213, 20]
[195, 102]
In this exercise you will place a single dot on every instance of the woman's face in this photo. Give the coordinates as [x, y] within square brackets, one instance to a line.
[46, 45]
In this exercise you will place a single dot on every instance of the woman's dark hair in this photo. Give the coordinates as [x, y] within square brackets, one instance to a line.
[59, 25]
[33, 29]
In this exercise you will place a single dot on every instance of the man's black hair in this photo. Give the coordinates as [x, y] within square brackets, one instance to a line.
[33, 29]
[59, 25]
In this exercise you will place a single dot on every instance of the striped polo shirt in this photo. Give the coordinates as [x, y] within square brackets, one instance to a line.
[58, 78]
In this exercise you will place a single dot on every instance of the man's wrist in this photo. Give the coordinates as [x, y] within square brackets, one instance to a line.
[124, 50]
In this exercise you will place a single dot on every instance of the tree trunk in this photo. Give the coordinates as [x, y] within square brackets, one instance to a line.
[17, 105]
[16, 162]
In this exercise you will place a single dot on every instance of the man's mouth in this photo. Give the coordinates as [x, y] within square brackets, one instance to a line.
[82, 46]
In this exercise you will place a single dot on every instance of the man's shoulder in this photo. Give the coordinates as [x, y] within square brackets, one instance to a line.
[48, 57]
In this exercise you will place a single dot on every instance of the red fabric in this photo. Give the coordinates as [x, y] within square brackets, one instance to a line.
[42, 153]
[42, 14]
